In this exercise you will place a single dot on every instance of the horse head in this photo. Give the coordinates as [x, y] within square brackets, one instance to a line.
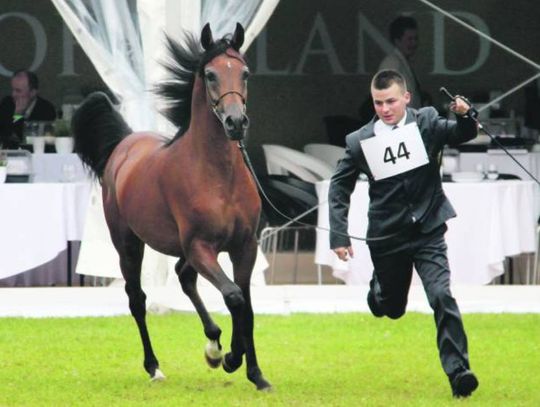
[225, 77]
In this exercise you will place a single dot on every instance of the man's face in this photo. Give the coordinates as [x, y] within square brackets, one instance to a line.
[390, 103]
[20, 89]
[408, 43]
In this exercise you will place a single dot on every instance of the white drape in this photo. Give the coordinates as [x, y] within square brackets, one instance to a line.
[223, 14]
[124, 39]
[109, 34]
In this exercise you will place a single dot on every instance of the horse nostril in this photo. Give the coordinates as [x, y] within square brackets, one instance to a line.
[229, 123]
[245, 121]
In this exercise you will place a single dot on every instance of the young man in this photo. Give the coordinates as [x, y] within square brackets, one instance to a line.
[398, 151]
[23, 104]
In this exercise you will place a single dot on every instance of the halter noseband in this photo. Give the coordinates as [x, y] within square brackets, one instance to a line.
[214, 104]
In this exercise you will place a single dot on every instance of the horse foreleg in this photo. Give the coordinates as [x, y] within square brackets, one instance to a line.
[233, 359]
[243, 261]
[188, 280]
[131, 253]
[204, 259]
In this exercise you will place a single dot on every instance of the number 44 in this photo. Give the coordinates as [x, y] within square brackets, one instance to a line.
[401, 153]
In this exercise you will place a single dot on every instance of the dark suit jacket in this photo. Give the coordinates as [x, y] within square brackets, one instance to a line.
[43, 111]
[398, 203]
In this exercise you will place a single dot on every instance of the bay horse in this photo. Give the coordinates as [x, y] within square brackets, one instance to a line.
[191, 196]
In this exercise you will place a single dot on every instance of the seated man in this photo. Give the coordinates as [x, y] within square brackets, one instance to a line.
[23, 104]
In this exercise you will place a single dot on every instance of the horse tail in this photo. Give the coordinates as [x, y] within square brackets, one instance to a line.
[97, 129]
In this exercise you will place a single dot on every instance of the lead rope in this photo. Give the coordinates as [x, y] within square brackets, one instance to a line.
[242, 148]
[494, 139]
[510, 51]
[473, 114]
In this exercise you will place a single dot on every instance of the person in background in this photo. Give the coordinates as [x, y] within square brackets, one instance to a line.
[404, 37]
[398, 151]
[24, 104]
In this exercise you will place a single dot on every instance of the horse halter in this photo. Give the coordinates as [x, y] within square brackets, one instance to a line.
[215, 103]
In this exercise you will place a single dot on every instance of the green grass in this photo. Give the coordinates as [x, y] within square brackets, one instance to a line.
[311, 360]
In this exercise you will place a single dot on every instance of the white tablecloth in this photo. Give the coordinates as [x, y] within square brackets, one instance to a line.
[37, 220]
[502, 162]
[50, 167]
[495, 220]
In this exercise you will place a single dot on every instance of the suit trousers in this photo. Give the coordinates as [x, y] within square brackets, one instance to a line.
[391, 281]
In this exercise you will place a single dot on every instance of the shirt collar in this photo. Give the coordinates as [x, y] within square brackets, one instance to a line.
[401, 123]
[380, 127]
[374, 126]
[30, 108]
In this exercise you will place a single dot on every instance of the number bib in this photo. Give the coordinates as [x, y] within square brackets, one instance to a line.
[393, 152]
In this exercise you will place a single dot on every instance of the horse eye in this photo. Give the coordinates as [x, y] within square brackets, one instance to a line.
[245, 75]
[210, 76]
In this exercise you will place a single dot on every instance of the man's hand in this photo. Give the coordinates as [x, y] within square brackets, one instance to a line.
[459, 106]
[344, 252]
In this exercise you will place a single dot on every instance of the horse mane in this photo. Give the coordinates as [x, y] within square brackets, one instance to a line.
[184, 63]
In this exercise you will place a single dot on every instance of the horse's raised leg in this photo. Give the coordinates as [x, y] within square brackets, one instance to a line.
[243, 259]
[131, 251]
[188, 279]
[203, 258]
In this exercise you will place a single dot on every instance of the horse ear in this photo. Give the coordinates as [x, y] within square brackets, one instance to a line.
[206, 37]
[238, 37]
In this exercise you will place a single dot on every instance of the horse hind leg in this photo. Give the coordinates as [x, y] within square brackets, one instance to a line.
[131, 254]
[188, 280]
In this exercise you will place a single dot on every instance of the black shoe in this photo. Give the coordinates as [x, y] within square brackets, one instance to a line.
[463, 383]
[373, 306]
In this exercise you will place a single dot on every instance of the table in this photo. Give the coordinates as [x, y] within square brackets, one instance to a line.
[38, 219]
[503, 163]
[46, 218]
[495, 220]
[51, 167]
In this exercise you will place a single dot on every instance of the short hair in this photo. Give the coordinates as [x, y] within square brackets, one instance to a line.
[33, 82]
[386, 78]
[399, 25]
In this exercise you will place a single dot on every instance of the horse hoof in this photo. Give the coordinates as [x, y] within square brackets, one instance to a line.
[255, 376]
[265, 387]
[229, 365]
[213, 363]
[226, 366]
[158, 376]
[212, 354]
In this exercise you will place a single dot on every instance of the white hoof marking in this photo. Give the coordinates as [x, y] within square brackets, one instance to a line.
[158, 376]
[212, 350]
